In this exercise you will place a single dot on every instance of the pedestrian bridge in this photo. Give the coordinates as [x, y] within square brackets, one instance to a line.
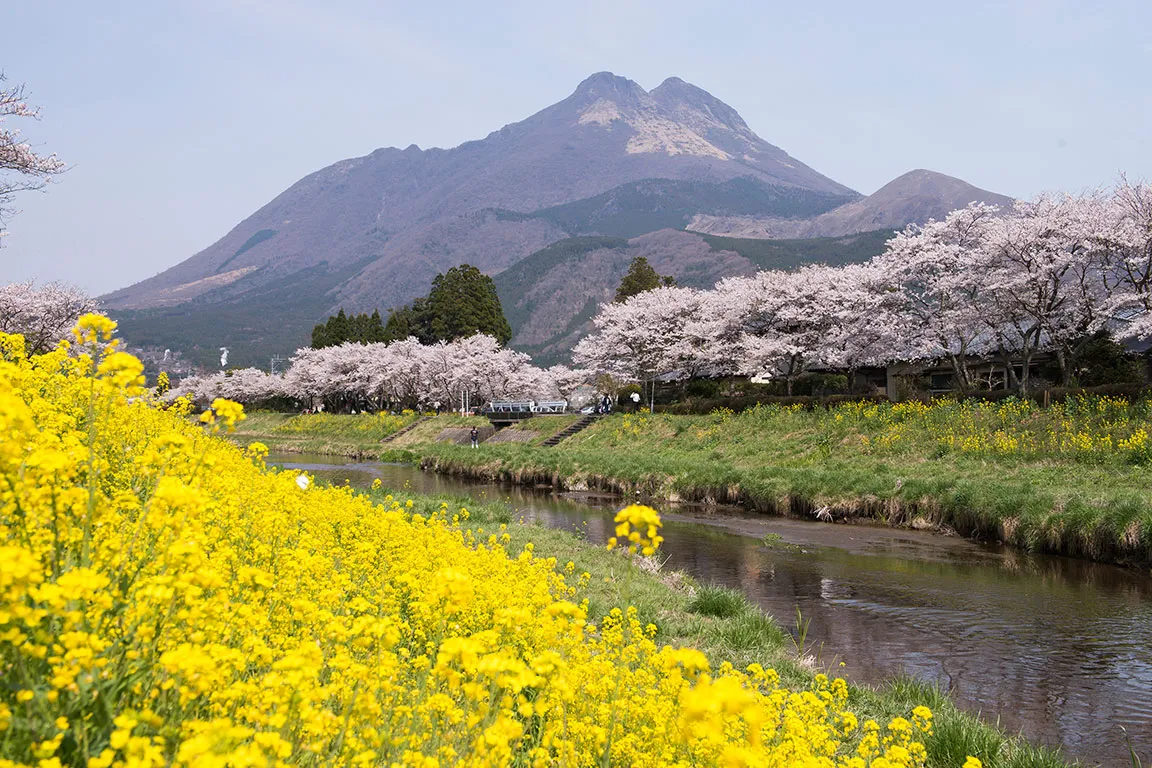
[503, 413]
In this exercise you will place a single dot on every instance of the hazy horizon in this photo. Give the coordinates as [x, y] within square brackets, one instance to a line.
[180, 121]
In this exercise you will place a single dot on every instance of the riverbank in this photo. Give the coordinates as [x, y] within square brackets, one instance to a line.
[357, 436]
[726, 627]
[980, 472]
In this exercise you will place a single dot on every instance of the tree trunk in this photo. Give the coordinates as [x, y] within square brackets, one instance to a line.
[1010, 379]
[794, 365]
[1062, 358]
[960, 371]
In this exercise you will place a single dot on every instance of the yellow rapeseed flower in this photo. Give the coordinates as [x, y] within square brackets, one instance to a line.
[167, 600]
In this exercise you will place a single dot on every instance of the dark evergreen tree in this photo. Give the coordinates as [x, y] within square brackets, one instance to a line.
[462, 302]
[357, 326]
[641, 277]
[341, 328]
[401, 324]
[320, 336]
[375, 332]
[1101, 360]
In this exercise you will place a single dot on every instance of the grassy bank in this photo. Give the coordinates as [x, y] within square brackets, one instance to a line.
[1053, 481]
[1069, 480]
[727, 628]
[358, 436]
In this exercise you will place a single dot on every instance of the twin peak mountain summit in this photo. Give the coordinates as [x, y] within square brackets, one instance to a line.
[553, 206]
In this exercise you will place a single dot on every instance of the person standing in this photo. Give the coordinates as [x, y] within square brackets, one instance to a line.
[475, 435]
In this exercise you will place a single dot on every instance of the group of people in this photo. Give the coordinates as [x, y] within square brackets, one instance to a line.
[604, 405]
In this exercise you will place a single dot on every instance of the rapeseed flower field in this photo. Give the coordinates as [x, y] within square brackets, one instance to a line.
[1086, 428]
[165, 599]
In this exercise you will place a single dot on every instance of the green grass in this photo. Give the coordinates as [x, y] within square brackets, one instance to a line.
[325, 433]
[742, 635]
[720, 602]
[429, 431]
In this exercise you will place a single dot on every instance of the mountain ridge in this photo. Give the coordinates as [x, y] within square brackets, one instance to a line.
[609, 131]
[912, 197]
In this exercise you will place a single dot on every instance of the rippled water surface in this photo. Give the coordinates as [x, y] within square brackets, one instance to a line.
[1060, 649]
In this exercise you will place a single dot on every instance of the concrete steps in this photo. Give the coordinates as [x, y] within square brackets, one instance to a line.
[583, 423]
[405, 430]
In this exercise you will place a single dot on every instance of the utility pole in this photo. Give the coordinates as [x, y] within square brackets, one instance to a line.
[272, 363]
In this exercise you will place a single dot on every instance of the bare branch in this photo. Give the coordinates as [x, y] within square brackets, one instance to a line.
[22, 168]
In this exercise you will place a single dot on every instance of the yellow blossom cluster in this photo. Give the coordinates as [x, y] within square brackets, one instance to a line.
[165, 599]
[630, 426]
[1085, 428]
[639, 526]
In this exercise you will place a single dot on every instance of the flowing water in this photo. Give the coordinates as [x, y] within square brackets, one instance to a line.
[1059, 649]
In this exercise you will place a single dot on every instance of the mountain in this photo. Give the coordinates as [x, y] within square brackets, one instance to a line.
[612, 159]
[914, 197]
[415, 212]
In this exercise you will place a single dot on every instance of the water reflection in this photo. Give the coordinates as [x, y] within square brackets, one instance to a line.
[1058, 648]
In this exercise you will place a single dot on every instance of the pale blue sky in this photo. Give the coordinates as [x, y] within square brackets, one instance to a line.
[181, 118]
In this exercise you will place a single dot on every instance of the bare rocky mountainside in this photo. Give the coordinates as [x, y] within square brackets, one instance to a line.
[611, 161]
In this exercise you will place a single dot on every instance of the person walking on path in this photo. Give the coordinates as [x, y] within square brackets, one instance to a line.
[475, 435]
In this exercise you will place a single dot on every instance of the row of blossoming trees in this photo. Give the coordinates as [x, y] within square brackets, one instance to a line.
[1042, 277]
[350, 376]
[401, 374]
[44, 314]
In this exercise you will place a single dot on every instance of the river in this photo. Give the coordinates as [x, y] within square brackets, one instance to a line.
[1057, 648]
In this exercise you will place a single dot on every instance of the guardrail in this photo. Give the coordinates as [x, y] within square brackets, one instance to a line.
[526, 406]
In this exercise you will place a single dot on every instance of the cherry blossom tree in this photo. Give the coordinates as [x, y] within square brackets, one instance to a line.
[245, 385]
[1047, 265]
[863, 330]
[1044, 276]
[776, 324]
[936, 287]
[43, 315]
[309, 375]
[377, 376]
[567, 381]
[1129, 269]
[643, 337]
[399, 374]
[22, 168]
